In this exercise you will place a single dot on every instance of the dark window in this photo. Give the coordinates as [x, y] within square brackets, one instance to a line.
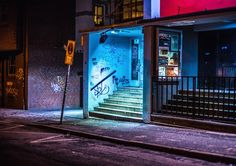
[11, 66]
[132, 9]
[3, 13]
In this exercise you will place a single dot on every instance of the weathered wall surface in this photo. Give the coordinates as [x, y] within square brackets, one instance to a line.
[51, 24]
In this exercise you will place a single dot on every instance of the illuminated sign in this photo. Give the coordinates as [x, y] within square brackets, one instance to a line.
[70, 52]
[175, 7]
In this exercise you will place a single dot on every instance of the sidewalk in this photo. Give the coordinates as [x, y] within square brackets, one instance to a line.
[212, 146]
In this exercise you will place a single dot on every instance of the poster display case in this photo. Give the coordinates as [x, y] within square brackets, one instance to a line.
[169, 53]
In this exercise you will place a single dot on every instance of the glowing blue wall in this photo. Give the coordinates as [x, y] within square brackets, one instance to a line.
[104, 58]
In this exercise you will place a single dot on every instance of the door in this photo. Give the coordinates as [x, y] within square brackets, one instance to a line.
[1, 82]
[11, 81]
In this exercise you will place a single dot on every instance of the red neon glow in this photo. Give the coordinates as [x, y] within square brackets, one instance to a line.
[175, 7]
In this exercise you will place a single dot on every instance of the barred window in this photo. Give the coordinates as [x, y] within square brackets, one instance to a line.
[11, 66]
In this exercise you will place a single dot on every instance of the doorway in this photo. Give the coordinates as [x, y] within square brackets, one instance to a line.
[11, 82]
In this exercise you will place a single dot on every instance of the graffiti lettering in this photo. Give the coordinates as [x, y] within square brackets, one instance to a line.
[94, 61]
[123, 81]
[12, 91]
[20, 74]
[120, 81]
[56, 87]
[57, 84]
[101, 90]
[104, 69]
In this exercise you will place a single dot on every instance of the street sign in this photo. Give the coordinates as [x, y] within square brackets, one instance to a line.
[70, 49]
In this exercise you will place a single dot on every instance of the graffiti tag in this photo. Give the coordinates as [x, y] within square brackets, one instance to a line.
[104, 69]
[10, 90]
[101, 90]
[120, 81]
[58, 84]
[20, 74]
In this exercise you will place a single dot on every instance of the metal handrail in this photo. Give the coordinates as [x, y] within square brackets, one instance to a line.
[103, 80]
[196, 96]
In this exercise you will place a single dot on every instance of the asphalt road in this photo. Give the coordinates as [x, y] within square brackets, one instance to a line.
[26, 146]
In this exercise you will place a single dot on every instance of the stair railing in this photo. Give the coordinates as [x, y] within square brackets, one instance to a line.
[109, 75]
[196, 96]
[99, 89]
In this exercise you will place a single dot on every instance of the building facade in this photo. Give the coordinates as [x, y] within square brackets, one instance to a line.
[174, 59]
[33, 35]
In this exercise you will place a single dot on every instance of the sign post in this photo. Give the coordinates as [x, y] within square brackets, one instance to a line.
[68, 61]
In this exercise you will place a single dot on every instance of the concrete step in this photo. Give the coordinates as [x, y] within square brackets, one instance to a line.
[122, 107]
[121, 101]
[126, 96]
[212, 98]
[199, 111]
[130, 88]
[126, 103]
[221, 93]
[128, 93]
[115, 112]
[203, 104]
[116, 117]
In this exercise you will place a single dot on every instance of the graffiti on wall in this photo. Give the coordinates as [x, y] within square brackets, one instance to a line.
[116, 51]
[20, 74]
[11, 90]
[57, 84]
[94, 61]
[123, 81]
[104, 69]
[101, 90]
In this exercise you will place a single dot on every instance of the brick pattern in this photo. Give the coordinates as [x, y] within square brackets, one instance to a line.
[48, 31]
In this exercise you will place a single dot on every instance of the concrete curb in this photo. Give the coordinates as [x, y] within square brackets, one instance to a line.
[194, 123]
[212, 157]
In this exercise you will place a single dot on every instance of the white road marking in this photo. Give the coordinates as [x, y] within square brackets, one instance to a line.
[45, 139]
[12, 127]
[5, 121]
[56, 140]
[23, 132]
[52, 139]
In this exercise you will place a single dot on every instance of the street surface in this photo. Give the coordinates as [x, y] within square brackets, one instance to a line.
[26, 145]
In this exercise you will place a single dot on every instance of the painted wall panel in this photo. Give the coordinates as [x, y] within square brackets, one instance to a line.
[104, 58]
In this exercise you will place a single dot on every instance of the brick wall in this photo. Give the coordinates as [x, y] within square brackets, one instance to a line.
[51, 24]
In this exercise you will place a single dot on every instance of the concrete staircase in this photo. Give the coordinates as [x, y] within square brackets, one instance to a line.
[207, 104]
[124, 104]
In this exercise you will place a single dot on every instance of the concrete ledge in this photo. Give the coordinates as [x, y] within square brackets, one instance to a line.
[212, 157]
[193, 123]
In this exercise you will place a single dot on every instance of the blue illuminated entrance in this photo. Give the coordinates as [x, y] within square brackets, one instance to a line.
[115, 72]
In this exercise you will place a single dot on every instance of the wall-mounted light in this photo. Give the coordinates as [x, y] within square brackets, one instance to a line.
[103, 37]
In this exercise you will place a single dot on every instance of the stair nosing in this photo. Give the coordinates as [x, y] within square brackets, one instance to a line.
[206, 102]
[122, 105]
[119, 110]
[122, 116]
[215, 109]
[124, 101]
